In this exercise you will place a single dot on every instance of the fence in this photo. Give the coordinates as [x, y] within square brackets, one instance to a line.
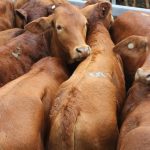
[117, 9]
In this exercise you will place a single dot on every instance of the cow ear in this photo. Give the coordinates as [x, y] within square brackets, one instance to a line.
[104, 8]
[39, 25]
[21, 13]
[21, 18]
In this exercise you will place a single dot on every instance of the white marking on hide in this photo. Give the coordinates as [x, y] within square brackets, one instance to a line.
[16, 53]
[130, 46]
[144, 14]
[98, 74]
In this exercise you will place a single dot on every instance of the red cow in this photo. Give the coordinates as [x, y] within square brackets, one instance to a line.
[130, 23]
[135, 131]
[25, 104]
[133, 51]
[84, 112]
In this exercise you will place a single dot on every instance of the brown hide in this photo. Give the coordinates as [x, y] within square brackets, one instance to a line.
[68, 32]
[6, 14]
[84, 113]
[25, 104]
[17, 56]
[33, 9]
[130, 23]
[133, 51]
[19, 3]
[7, 35]
[135, 133]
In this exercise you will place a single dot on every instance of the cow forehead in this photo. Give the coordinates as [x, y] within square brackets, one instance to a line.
[70, 20]
[69, 13]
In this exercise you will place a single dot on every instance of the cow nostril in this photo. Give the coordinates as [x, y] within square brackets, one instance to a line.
[78, 50]
[148, 76]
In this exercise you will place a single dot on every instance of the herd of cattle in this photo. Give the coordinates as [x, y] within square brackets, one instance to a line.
[73, 78]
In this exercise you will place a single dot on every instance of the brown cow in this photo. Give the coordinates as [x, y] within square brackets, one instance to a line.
[19, 54]
[133, 51]
[135, 130]
[130, 23]
[84, 113]
[25, 104]
[6, 14]
[7, 35]
[68, 32]
[33, 9]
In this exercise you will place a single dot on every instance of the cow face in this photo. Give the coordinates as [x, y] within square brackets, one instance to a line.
[133, 51]
[68, 27]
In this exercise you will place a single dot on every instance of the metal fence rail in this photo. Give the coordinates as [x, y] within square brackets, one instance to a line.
[117, 9]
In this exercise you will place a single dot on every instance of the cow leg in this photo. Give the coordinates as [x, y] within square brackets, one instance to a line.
[147, 3]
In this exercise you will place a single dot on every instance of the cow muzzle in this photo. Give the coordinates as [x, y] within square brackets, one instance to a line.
[143, 75]
[83, 51]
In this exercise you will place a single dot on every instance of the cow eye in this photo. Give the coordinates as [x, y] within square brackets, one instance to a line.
[59, 27]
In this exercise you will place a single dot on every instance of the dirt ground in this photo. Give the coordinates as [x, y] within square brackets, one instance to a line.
[139, 3]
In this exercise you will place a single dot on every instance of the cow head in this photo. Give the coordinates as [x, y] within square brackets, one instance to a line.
[31, 10]
[98, 12]
[143, 73]
[133, 51]
[68, 30]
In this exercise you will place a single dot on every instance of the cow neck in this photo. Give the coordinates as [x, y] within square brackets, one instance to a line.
[56, 48]
[99, 39]
[102, 46]
[137, 94]
[100, 42]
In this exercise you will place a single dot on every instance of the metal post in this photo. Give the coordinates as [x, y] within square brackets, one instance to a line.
[113, 1]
